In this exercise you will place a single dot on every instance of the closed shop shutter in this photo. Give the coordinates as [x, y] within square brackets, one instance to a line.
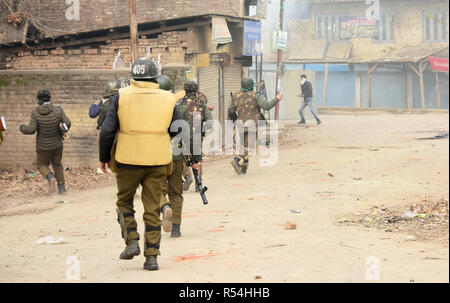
[232, 82]
[208, 78]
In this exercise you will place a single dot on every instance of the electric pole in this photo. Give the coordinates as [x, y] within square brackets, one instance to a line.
[133, 31]
[279, 57]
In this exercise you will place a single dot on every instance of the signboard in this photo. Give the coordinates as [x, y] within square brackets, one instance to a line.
[252, 38]
[282, 40]
[220, 32]
[439, 64]
[358, 27]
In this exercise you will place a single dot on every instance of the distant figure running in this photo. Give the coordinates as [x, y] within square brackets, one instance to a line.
[307, 94]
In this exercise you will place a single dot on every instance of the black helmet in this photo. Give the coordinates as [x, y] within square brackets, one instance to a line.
[191, 85]
[247, 84]
[144, 69]
[111, 87]
[123, 82]
[165, 83]
[43, 96]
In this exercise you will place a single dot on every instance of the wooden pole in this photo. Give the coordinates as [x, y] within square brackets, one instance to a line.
[133, 31]
[325, 86]
[438, 92]
[422, 85]
[279, 57]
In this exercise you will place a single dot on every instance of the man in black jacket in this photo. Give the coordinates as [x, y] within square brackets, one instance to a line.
[307, 94]
[45, 120]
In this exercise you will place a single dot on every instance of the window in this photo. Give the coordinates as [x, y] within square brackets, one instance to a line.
[327, 27]
[435, 26]
[385, 28]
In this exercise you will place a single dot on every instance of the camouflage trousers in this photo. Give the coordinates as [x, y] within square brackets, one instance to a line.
[247, 143]
[153, 180]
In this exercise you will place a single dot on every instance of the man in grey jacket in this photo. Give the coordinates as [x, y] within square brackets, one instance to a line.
[46, 120]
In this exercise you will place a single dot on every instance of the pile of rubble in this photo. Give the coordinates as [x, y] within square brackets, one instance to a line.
[425, 220]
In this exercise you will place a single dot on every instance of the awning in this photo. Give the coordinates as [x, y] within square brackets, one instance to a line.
[404, 54]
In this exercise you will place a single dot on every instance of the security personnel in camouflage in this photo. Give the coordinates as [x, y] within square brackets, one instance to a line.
[174, 185]
[193, 104]
[142, 115]
[246, 107]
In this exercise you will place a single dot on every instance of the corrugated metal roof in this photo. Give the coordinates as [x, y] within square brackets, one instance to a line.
[403, 54]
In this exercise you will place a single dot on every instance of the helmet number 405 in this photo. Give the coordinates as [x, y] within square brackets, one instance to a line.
[139, 69]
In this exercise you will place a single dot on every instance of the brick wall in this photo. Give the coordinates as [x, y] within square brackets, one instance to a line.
[75, 90]
[101, 14]
[171, 45]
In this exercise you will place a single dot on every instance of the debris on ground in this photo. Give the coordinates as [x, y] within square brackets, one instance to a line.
[50, 240]
[289, 225]
[410, 238]
[296, 211]
[257, 277]
[424, 220]
[442, 136]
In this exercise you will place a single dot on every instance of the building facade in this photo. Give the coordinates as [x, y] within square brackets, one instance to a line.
[363, 61]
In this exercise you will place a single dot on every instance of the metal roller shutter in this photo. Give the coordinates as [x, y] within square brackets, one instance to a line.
[208, 78]
[232, 83]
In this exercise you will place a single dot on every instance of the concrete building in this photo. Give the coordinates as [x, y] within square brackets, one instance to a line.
[74, 50]
[354, 61]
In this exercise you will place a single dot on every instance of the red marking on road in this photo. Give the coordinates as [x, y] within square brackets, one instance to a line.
[193, 257]
[215, 230]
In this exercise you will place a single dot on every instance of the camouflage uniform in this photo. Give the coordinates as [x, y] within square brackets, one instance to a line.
[247, 105]
[187, 106]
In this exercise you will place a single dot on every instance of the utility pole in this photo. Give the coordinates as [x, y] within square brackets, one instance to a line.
[279, 57]
[133, 31]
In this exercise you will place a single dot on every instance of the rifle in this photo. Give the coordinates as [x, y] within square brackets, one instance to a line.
[261, 89]
[232, 116]
[198, 180]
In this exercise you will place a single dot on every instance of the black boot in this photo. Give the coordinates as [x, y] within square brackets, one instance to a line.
[176, 233]
[61, 189]
[236, 166]
[51, 183]
[151, 263]
[301, 122]
[131, 250]
[318, 121]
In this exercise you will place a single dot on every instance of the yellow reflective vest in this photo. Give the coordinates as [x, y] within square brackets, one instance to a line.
[145, 114]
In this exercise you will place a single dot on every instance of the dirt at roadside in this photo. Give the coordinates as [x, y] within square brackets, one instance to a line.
[20, 183]
[427, 220]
